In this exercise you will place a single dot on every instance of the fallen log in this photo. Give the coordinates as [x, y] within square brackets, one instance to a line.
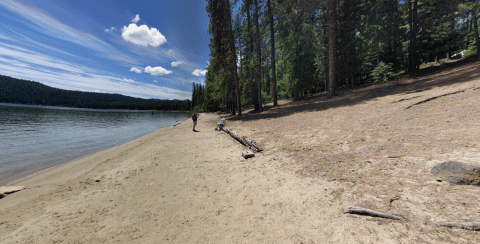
[475, 226]
[404, 99]
[245, 141]
[373, 213]
[226, 130]
[252, 145]
[435, 97]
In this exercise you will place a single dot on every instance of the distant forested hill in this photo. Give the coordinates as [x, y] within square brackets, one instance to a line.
[18, 91]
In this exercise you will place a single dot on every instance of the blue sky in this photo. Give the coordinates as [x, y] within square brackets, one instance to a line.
[140, 48]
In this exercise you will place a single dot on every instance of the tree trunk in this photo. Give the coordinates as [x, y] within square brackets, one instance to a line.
[273, 90]
[251, 57]
[233, 63]
[378, 37]
[410, 46]
[259, 58]
[413, 36]
[476, 32]
[332, 25]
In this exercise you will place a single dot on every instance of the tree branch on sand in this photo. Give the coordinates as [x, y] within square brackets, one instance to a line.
[373, 213]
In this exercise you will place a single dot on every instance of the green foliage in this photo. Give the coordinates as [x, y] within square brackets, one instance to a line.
[427, 64]
[383, 73]
[469, 52]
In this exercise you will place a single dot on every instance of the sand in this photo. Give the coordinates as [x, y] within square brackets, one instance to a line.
[320, 157]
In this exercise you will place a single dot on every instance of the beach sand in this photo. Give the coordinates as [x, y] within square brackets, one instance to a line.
[320, 156]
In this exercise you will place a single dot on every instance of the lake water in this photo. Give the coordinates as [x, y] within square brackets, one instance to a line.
[36, 138]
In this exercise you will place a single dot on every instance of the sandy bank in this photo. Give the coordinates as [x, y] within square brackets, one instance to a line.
[359, 149]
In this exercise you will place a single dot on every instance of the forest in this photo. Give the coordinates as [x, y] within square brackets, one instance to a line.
[18, 91]
[266, 50]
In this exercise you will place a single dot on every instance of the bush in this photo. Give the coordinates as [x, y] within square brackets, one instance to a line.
[383, 73]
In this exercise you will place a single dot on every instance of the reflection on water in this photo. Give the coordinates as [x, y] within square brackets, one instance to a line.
[36, 138]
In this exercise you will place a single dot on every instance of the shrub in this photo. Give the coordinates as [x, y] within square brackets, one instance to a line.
[383, 73]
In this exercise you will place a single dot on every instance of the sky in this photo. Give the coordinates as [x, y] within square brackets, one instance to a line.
[139, 48]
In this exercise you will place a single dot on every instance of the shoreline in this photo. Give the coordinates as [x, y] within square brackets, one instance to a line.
[85, 109]
[46, 160]
[66, 162]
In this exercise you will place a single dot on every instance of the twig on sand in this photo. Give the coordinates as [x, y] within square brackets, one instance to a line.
[404, 99]
[475, 226]
[373, 213]
[435, 97]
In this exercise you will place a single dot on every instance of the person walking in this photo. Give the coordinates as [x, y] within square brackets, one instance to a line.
[194, 118]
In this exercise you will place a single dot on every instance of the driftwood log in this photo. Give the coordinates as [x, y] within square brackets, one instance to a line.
[373, 213]
[244, 141]
[435, 97]
[475, 226]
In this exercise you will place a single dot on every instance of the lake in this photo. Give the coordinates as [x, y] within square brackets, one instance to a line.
[34, 138]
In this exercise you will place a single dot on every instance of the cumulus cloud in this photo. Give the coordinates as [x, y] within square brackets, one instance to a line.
[198, 72]
[156, 81]
[136, 19]
[142, 35]
[157, 71]
[175, 64]
[136, 70]
[110, 30]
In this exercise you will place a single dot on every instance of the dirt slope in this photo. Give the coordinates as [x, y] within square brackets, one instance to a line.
[380, 154]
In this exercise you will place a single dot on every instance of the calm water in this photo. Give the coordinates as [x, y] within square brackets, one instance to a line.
[37, 138]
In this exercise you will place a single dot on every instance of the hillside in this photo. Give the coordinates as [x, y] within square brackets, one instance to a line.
[19, 91]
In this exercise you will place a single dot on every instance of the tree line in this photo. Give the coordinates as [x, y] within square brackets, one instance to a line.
[19, 91]
[265, 50]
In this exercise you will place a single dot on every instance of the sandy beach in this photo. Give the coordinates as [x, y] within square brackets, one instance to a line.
[362, 148]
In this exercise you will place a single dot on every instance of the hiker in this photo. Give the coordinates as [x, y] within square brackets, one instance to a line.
[194, 118]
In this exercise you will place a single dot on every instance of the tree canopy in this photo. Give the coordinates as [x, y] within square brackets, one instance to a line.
[284, 49]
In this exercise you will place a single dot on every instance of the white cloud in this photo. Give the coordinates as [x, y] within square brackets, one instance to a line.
[157, 71]
[175, 64]
[87, 80]
[110, 30]
[136, 70]
[128, 80]
[198, 72]
[47, 24]
[156, 81]
[142, 35]
[136, 19]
